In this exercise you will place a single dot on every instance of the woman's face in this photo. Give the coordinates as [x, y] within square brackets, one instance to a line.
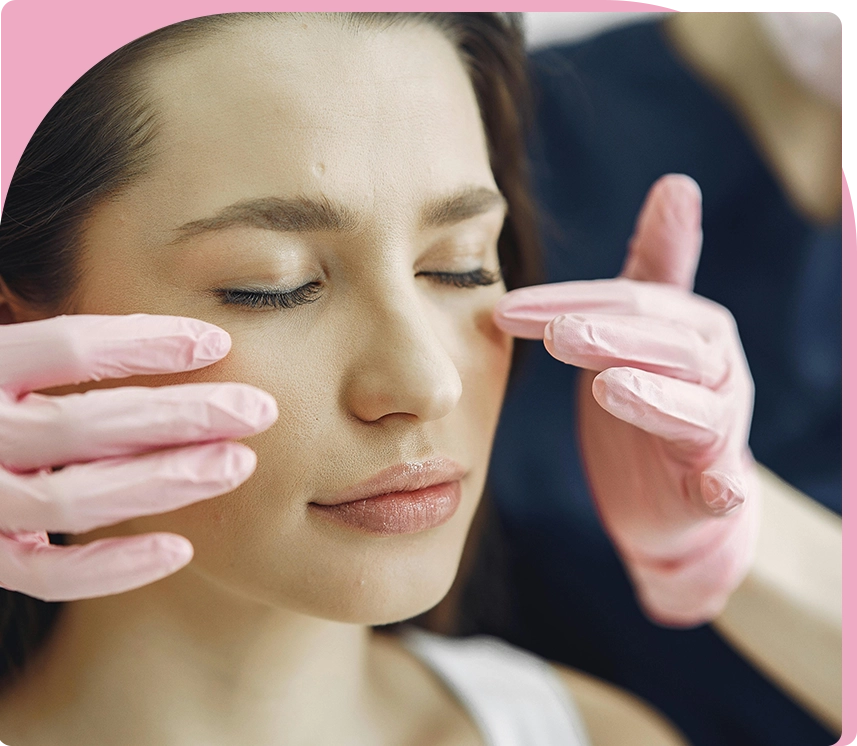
[389, 363]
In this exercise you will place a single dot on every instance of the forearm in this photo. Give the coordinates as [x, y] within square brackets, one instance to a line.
[786, 617]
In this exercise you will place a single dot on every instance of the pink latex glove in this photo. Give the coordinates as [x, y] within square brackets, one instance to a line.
[126, 452]
[665, 403]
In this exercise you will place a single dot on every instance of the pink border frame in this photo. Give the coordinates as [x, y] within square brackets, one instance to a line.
[35, 33]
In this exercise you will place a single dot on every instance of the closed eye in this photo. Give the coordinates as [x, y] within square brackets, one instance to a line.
[270, 299]
[310, 292]
[475, 278]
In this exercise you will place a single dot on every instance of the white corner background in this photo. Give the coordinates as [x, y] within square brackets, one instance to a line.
[544, 29]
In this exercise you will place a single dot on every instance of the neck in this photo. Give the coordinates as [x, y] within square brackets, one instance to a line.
[798, 133]
[184, 661]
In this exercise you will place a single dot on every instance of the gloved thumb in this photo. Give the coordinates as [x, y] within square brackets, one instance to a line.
[668, 235]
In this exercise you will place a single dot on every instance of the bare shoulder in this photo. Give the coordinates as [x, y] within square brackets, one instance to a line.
[12, 712]
[613, 715]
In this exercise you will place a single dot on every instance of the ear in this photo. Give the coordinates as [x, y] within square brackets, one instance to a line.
[6, 315]
[12, 308]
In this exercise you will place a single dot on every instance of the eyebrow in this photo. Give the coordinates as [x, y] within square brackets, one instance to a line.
[462, 205]
[305, 214]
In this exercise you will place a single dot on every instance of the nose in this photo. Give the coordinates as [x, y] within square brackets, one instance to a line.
[402, 366]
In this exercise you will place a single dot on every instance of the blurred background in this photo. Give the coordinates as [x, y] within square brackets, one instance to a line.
[749, 105]
[543, 29]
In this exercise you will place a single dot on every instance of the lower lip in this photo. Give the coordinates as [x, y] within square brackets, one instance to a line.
[398, 512]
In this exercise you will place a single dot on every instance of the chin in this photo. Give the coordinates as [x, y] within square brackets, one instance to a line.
[383, 583]
[388, 600]
[410, 580]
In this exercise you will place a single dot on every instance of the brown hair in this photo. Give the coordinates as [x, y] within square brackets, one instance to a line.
[102, 133]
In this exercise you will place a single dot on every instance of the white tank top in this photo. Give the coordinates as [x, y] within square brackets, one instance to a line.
[514, 697]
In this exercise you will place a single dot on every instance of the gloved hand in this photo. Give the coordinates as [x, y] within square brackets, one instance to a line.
[126, 452]
[664, 409]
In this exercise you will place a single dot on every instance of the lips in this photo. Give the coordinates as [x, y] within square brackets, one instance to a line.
[403, 499]
[407, 477]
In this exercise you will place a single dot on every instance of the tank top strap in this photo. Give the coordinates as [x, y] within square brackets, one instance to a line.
[514, 697]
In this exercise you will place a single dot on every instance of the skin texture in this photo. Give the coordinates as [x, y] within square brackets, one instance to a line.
[262, 632]
[373, 372]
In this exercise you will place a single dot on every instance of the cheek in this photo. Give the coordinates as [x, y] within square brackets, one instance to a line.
[498, 344]
[271, 503]
[484, 368]
[300, 375]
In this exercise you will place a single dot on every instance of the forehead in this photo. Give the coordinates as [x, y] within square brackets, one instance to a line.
[308, 105]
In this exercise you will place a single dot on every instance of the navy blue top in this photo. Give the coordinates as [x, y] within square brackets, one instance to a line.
[614, 113]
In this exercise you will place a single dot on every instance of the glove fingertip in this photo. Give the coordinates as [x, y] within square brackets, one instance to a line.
[610, 388]
[722, 493]
[176, 550]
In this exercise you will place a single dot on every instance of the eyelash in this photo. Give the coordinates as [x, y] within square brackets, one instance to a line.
[308, 293]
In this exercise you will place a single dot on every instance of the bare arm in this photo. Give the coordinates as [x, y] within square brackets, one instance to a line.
[614, 716]
[786, 617]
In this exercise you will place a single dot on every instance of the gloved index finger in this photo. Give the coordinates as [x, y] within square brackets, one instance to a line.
[67, 350]
[525, 312]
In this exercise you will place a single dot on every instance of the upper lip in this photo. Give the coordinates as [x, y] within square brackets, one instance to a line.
[405, 477]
